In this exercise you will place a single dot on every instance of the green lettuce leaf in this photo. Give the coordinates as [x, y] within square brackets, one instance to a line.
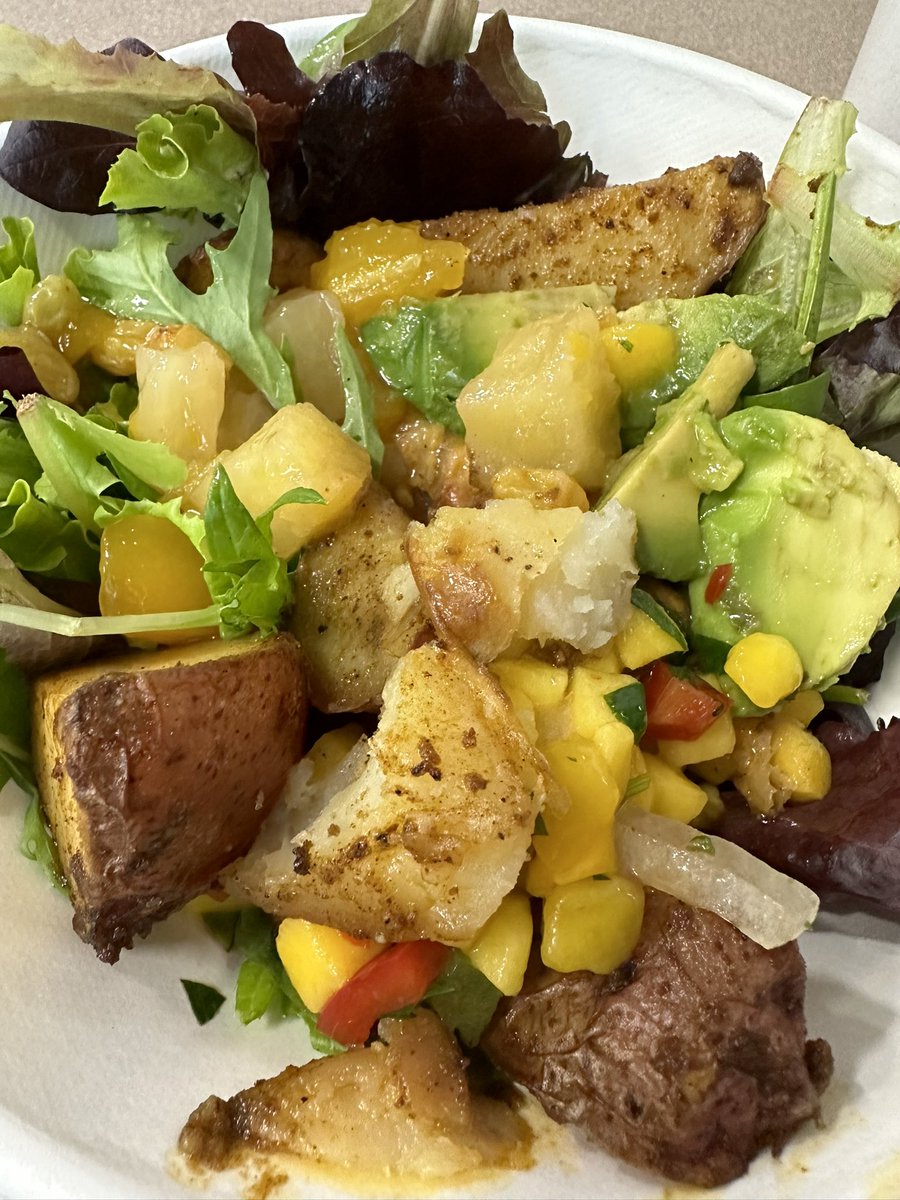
[463, 998]
[754, 322]
[40, 81]
[188, 161]
[136, 280]
[246, 578]
[70, 448]
[17, 460]
[15, 728]
[862, 279]
[44, 540]
[19, 271]
[359, 408]
[430, 31]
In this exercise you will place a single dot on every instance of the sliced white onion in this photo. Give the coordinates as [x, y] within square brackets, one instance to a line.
[708, 872]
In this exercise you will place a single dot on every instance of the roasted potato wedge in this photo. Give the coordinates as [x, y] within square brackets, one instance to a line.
[357, 609]
[672, 236]
[156, 770]
[432, 829]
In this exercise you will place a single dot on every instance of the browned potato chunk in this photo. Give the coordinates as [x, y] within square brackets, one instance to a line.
[156, 770]
[358, 609]
[672, 236]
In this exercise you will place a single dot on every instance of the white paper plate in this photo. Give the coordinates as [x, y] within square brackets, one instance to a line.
[100, 1066]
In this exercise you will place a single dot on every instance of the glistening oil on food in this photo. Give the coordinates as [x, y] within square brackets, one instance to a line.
[455, 579]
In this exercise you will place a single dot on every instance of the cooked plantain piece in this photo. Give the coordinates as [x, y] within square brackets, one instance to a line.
[672, 236]
[156, 770]
[357, 606]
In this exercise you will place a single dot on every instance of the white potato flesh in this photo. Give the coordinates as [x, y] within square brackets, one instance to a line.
[548, 399]
[181, 392]
[433, 832]
[507, 572]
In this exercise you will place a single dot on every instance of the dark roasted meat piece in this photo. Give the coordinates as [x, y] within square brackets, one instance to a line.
[687, 1061]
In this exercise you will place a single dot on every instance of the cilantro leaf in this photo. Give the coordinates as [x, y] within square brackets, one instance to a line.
[37, 844]
[191, 160]
[257, 987]
[135, 279]
[205, 1001]
[463, 998]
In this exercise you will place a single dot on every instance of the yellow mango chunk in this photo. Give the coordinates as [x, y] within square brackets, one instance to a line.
[803, 707]
[592, 925]
[605, 661]
[580, 841]
[714, 742]
[671, 793]
[800, 762]
[543, 684]
[147, 565]
[320, 960]
[536, 877]
[640, 352]
[642, 641]
[766, 667]
[502, 946]
[370, 264]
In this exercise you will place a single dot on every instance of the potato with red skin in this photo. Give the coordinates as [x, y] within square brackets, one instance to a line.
[157, 769]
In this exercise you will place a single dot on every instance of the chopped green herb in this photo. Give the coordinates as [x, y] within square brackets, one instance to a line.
[629, 705]
[463, 998]
[626, 345]
[601, 878]
[540, 825]
[257, 987]
[701, 844]
[37, 844]
[659, 615]
[636, 785]
[839, 693]
[710, 653]
[222, 925]
[205, 1001]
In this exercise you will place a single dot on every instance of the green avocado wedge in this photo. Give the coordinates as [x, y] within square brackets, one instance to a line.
[811, 529]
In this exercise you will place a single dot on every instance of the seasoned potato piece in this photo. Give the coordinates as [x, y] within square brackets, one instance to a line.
[413, 1116]
[358, 609]
[156, 770]
[672, 236]
[433, 832]
[509, 571]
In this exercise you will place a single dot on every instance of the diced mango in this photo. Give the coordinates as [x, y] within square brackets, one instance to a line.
[671, 793]
[370, 264]
[713, 809]
[714, 742]
[800, 762]
[320, 960]
[585, 704]
[766, 667]
[639, 353]
[536, 878]
[592, 925]
[297, 447]
[605, 661]
[580, 841]
[543, 684]
[642, 641]
[615, 741]
[502, 946]
[803, 707]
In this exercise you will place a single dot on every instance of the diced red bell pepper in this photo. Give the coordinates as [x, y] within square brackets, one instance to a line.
[718, 582]
[395, 979]
[679, 709]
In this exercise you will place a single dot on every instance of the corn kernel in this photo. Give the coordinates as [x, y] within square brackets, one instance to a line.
[714, 742]
[803, 707]
[148, 565]
[370, 264]
[800, 763]
[320, 960]
[766, 667]
[640, 352]
[671, 793]
[592, 925]
[501, 948]
[580, 841]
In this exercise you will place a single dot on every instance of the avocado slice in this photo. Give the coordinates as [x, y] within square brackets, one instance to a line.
[811, 528]
[429, 351]
[683, 456]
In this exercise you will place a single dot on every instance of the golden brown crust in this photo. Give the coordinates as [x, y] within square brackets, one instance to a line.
[674, 236]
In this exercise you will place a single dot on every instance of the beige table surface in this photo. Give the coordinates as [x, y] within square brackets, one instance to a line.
[811, 44]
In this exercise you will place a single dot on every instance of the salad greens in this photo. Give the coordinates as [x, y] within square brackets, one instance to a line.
[359, 410]
[205, 1001]
[19, 270]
